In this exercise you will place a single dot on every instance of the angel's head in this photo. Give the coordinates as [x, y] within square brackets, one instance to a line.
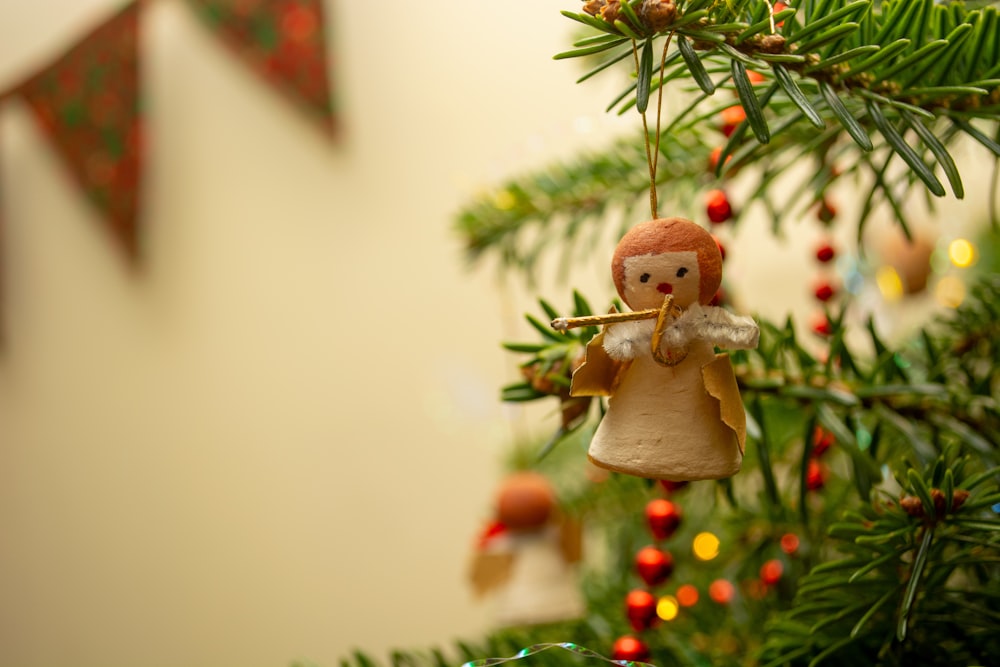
[666, 256]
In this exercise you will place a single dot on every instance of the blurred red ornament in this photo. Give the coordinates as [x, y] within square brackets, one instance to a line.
[826, 211]
[721, 591]
[640, 607]
[630, 648]
[663, 518]
[722, 251]
[731, 117]
[824, 291]
[790, 543]
[771, 571]
[825, 252]
[713, 158]
[822, 441]
[687, 595]
[755, 77]
[654, 565]
[822, 326]
[779, 6]
[717, 206]
[815, 475]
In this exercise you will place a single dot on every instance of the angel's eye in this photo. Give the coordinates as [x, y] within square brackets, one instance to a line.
[681, 272]
[644, 278]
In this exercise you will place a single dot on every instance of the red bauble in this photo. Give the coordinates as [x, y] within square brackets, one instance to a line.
[663, 518]
[671, 487]
[771, 571]
[654, 565]
[790, 543]
[825, 291]
[717, 206]
[640, 607]
[630, 648]
[815, 476]
[825, 253]
[822, 326]
[731, 118]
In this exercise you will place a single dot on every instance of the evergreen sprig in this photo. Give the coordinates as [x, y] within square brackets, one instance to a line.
[874, 90]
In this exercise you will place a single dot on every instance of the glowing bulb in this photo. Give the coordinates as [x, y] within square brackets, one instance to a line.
[721, 591]
[789, 543]
[889, 283]
[705, 546]
[950, 292]
[961, 253]
[687, 595]
[667, 608]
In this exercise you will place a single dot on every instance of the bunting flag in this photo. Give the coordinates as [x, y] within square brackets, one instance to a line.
[87, 103]
[282, 40]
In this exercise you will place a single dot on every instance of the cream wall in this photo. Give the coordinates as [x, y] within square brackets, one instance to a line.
[278, 441]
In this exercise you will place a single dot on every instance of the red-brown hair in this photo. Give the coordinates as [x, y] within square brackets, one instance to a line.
[671, 235]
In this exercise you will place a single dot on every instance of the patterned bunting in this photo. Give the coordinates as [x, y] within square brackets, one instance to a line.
[283, 41]
[88, 104]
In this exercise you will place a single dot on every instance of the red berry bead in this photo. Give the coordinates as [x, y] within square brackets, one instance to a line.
[825, 291]
[815, 476]
[731, 118]
[771, 571]
[821, 325]
[663, 518]
[654, 565]
[825, 253]
[640, 607]
[630, 648]
[718, 207]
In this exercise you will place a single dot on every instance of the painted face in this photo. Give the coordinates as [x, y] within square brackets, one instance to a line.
[650, 278]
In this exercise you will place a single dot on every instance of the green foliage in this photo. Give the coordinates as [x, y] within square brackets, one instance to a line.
[852, 87]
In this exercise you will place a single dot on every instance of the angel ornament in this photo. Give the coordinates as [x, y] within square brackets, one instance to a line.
[674, 411]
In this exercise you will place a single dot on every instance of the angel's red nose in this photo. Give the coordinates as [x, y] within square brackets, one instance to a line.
[665, 288]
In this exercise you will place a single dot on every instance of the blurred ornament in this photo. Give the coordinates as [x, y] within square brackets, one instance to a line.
[731, 117]
[687, 595]
[640, 608]
[821, 325]
[815, 475]
[721, 591]
[667, 608]
[755, 589]
[790, 543]
[630, 648]
[663, 518]
[705, 546]
[771, 571]
[717, 206]
[525, 501]
[962, 253]
[525, 557]
[654, 565]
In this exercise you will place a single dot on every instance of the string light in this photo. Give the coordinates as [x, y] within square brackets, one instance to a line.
[961, 253]
[721, 591]
[687, 595]
[705, 546]
[667, 608]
